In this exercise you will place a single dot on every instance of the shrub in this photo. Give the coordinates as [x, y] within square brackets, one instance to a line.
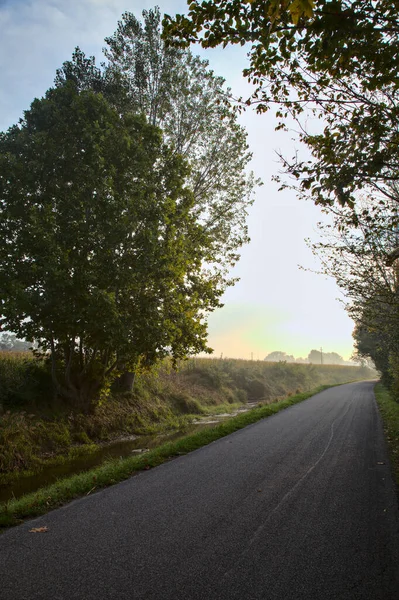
[24, 381]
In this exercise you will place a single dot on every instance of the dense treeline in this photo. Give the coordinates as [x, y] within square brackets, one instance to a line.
[317, 357]
[359, 251]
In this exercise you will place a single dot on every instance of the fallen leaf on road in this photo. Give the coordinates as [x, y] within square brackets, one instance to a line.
[38, 530]
[380, 463]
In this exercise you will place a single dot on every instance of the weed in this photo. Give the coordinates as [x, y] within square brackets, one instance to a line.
[389, 409]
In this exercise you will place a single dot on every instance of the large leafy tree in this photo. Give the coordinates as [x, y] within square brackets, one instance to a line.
[177, 92]
[102, 256]
[336, 58]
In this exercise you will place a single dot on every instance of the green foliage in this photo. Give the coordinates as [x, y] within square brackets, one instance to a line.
[177, 92]
[339, 61]
[24, 381]
[126, 247]
[111, 275]
[357, 248]
[180, 94]
[389, 409]
[24, 441]
[370, 341]
[183, 403]
[236, 21]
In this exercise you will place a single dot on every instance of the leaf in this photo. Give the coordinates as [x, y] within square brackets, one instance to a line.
[300, 8]
[38, 530]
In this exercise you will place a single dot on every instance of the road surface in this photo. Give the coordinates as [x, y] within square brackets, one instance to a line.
[299, 506]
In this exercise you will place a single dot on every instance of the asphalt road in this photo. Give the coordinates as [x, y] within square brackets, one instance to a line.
[299, 506]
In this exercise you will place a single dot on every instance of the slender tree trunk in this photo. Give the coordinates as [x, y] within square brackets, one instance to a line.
[125, 382]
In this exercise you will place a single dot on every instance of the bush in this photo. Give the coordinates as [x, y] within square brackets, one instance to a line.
[24, 381]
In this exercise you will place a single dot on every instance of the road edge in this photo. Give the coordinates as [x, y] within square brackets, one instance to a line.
[44, 500]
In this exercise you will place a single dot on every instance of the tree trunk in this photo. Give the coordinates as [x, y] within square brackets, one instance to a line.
[125, 383]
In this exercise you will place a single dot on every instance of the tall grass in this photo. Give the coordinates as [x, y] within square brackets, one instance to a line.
[266, 381]
[389, 409]
[24, 381]
[35, 427]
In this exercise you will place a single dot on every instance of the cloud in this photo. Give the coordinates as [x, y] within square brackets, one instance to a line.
[39, 35]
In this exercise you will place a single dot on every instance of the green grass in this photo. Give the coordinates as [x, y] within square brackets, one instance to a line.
[389, 409]
[65, 490]
[220, 409]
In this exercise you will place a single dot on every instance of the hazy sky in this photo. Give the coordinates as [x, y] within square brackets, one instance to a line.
[275, 305]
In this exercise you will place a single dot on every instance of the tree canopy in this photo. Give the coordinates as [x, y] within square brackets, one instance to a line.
[358, 247]
[123, 201]
[177, 92]
[101, 255]
[10, 343]
[279, 356]
[339, 61]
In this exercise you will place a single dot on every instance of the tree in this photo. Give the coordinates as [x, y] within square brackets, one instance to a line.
[338, 61]
[370, 343]
[278, 356]
[10, 343]
[332, 358]
[102, 256]
[177, 92]
[315, 357]
[357, 248]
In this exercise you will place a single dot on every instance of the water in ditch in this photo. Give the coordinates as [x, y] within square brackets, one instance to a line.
[118, 449]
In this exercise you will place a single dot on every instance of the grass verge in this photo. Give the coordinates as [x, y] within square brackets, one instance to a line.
[389, 410]
[65, 490]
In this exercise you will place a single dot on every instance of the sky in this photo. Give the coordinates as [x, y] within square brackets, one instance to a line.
[276, 305]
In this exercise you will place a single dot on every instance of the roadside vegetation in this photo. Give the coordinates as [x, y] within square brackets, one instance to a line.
[389, 409]
[37, 430]
[111, 472]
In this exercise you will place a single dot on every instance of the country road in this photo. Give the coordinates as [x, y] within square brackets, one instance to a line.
[300, 506]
